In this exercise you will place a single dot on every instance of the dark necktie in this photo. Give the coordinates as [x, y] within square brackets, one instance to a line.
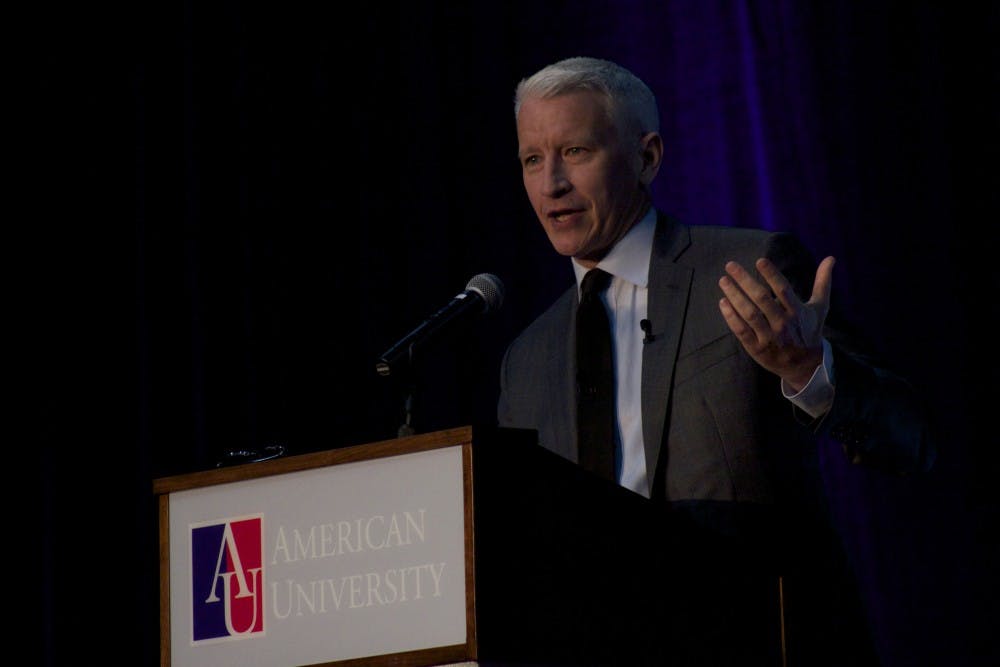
[595, 380]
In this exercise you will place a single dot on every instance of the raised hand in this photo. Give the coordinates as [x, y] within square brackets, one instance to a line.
[778, 330]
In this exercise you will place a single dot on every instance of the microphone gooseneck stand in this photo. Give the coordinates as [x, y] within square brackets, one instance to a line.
[406, 428]
[482, 294]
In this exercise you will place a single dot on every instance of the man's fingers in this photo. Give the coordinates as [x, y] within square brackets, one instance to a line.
[749, 296]
[736, 323]
[823, 283]
[782, 289]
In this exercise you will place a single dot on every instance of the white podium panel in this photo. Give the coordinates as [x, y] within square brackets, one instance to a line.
[322, 565]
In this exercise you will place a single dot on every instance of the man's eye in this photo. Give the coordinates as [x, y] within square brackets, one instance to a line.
[575, 150]
[530, 160]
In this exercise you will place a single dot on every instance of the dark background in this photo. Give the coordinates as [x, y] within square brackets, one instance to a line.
[228, 210]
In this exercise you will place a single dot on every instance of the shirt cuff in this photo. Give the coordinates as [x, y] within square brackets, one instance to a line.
[816, 397]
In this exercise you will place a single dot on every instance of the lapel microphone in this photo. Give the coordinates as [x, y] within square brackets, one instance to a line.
[647, 328]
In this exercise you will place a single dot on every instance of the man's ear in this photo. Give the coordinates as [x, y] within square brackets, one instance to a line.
[651, 150]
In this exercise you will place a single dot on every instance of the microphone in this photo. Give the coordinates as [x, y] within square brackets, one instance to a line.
[647, 328]
[483, 293]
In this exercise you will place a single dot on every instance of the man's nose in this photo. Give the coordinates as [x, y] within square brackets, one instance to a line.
[556, 181]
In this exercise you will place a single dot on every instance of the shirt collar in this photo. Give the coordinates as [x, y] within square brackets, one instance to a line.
[629, 258]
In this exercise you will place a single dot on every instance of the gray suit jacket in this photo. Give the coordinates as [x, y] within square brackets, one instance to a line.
[715, 425]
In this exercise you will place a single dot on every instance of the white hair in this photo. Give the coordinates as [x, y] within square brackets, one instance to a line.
[631, 103]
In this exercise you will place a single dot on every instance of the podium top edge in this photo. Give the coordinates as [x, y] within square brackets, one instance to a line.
[374, 450]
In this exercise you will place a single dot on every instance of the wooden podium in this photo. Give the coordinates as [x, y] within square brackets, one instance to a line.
[459, 546]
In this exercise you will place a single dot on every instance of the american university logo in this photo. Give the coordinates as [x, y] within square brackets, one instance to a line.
[227, 579]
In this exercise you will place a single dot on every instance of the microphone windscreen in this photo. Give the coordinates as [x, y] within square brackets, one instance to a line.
[490, 288]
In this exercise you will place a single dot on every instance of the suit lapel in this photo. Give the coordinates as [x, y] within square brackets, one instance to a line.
[669, 285]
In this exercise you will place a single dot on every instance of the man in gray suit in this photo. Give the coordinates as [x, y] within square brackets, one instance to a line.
[727, 362]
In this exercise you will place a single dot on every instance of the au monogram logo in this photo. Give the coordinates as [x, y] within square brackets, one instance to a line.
[227, 579]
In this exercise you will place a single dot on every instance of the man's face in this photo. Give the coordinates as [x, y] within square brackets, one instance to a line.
[584, 182]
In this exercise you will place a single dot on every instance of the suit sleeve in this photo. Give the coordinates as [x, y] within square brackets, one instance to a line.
[877, 416]
[504, 416]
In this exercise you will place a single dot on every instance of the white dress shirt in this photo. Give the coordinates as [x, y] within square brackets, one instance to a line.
[626, 300]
